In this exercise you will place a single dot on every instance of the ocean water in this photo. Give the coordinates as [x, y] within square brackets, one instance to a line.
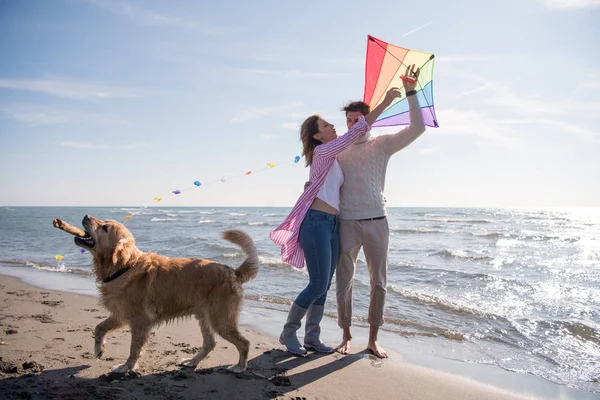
[515, 288]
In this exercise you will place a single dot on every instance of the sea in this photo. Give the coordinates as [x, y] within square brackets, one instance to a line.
[514, 288]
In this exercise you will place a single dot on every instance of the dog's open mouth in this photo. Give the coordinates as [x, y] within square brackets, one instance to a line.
[85, 241]
[82, 238]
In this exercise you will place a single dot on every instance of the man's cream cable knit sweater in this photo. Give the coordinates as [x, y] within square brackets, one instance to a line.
[365, 163]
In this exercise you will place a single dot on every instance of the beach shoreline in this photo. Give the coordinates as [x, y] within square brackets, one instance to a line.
[54, 329]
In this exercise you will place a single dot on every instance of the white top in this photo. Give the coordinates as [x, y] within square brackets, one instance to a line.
[330, 191]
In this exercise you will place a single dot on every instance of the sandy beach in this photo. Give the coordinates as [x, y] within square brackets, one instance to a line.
[46, 349]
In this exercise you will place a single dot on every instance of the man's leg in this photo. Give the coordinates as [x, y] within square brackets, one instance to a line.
[376, 242]
[350, 243]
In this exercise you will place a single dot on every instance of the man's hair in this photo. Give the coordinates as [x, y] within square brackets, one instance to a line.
[359, 106]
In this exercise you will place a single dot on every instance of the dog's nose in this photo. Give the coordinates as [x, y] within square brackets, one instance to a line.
[86, 218]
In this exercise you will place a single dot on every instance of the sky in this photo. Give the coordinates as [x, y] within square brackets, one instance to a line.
[116, 102]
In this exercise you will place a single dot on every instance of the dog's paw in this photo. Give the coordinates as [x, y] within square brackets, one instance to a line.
[121, 369]
[236, 368]
[98, 350]
[188, 363]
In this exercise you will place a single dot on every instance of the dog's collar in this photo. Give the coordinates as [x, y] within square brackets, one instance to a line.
[116, 275]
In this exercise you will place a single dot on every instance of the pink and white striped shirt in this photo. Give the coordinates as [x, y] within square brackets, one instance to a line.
[287, 234]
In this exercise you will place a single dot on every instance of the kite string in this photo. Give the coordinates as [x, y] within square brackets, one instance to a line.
[419, 83]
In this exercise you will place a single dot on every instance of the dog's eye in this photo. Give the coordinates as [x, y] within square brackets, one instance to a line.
[105, 227]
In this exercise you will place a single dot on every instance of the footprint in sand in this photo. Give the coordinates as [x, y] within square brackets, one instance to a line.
[375, 362]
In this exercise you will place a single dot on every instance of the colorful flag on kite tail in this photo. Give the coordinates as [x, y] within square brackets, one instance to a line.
[385, 63]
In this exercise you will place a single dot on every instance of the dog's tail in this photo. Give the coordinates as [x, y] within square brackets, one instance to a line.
[249, 268]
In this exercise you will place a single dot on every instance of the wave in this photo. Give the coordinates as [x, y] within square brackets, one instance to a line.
[199, 212]
[232, 255]
[491, 235]
[460, 255]
[439, 302]
[163, 219]
[415, 230]
[272, 262]
[235, 214]
[444, 218]
[275, 215]
[207, 221]
[49, 268]
[258, 223]
[222, 247]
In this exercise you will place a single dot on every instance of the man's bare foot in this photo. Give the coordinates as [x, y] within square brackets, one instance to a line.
[377, 350]
[344, 347]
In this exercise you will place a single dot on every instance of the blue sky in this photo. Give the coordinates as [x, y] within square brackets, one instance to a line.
[106, 102]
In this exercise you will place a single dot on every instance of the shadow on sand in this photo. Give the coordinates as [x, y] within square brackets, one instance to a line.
[268, 376]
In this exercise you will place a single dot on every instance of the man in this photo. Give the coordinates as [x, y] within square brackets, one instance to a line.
[362, 215]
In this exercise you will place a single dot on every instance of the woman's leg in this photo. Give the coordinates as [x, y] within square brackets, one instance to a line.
[315, 312]
[313, 238]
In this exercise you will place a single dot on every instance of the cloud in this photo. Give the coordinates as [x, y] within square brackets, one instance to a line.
[571, 4]
[69, 89]
[139, 15]
[429, 150]
[294, 59]
[94, 146]
[259, 112]
[81, 145]
[35, 115]
[288, 74]
[468, 58]
[417, 29]
[291, 126]
[474, 90]
[462, 122]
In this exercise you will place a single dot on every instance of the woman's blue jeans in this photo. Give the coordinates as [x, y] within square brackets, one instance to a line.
[320, 240]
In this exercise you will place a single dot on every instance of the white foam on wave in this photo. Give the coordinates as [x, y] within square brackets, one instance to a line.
[257, 223]
[233, 255]
[509, 243]
[207, 221]
[234, 214]
[60, 268]
[163, 219]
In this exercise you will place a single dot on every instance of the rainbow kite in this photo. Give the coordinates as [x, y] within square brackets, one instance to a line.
[385, 64]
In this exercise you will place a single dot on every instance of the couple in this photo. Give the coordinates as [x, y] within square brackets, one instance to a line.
[340, 211]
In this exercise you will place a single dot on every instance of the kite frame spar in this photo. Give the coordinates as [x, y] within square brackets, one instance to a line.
[372, 86]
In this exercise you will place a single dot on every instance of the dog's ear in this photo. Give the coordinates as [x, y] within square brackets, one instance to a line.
[122, 252]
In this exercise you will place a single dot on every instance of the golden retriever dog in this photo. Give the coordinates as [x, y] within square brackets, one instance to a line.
[142, 290]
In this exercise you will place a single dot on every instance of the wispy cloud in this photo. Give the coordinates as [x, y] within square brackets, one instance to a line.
[474, 90]
[82, 145]
[69, 89]
[291, 126]
[36, 115]
[571, 4]
[259, 112]
[139, 15]
[508, 109]
[95, 146]
[273, 136]
[468, 58]
[288, 57]
[288, 74]
[429, 150]
[417, 29]
[462, 122]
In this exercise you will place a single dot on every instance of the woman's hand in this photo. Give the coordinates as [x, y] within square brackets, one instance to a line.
[391, 95]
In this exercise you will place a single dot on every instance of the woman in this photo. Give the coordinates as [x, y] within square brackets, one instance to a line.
[311, 232]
